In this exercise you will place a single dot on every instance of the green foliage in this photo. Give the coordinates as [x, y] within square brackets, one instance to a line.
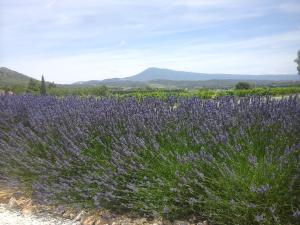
[33, 86]
[207, 93]
[277, 91]
[242, 85]
[52, 85]
[66, 90]
[43, 87]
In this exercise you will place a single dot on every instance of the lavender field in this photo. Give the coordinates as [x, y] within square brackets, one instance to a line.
[230, 160]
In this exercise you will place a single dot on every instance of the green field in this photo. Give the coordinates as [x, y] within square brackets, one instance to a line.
[102, 91]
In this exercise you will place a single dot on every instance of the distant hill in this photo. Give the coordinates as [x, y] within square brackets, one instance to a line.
[10, 78]
[157, 74]
[166, 74]
[160, 78]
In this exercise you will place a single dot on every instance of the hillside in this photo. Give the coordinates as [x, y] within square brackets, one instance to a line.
[165, 78]
[160, 78]
[157, 75]
[167, 74]
[10, 78]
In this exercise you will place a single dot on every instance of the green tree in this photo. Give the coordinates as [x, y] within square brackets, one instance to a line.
[43, 87]
[6, 89]
[52, 85]
[298, 62]
[242, 85]
[32, 86]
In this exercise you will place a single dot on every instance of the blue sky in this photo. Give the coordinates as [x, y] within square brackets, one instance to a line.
[71, 40]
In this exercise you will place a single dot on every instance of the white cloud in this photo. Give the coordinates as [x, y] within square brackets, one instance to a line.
[252, 56]
[73, 40]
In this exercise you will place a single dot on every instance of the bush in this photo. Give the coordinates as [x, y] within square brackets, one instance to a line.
[232, 161]
[242, 86]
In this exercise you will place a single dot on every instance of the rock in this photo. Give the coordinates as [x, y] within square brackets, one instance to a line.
[23, 204]
[98, 222]
[69, 214]
[179, 222]
[13, 204]
[43, 209]
[106, 219]
[5, 196]
[72, 216]
[166, 222]
[79, 216]
[202, 223]
[65, 215]
[89, 220]
[140, 221]
[60, 210]
[27, 211]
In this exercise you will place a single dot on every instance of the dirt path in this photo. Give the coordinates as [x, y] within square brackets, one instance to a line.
[12, 217]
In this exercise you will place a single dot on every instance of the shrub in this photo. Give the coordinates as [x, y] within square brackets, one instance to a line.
[242, 86]
[232, 161]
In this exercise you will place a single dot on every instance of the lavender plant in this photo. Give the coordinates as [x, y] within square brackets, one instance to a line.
[231, 160]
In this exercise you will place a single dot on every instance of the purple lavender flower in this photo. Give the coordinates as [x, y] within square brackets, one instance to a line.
[259, 218]
[296, 213]
[146, 154]
[252, 160]
[165, 210]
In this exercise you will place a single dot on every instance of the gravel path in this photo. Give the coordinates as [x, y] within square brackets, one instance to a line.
[11, 217]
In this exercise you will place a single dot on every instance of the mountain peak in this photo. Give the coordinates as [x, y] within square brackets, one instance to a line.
[154, 73]
[6, 69]
[155, 69]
